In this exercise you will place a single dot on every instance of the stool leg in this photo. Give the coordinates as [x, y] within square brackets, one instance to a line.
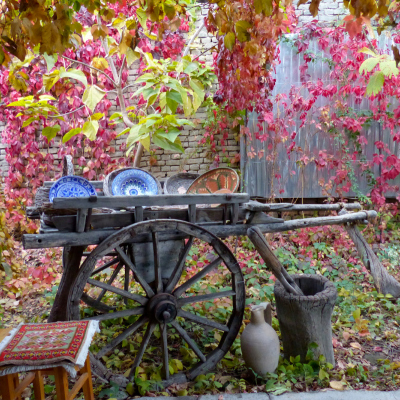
[88, 385]
[16, 383]
[7, 387]
[38, 387]
[61, 378]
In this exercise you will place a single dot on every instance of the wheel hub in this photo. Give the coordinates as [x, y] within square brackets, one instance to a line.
[162, 307]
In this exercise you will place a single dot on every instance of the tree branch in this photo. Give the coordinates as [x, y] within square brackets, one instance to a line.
[89, 66]
[120, 95]
[192, 39]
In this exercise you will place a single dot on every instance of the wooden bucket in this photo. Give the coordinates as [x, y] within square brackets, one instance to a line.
[304, 320]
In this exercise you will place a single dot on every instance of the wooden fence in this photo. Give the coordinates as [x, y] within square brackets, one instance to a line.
[258, 173]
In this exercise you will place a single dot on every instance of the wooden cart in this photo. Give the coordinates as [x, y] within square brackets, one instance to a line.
[137, 274]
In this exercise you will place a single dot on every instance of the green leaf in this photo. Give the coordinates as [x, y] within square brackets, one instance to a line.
[263, 6]
[375, 83]
[136, 134]
[92, 96]
[51, 131]
[73, 132]
[146, 77]
[171, 135]
[149, 85]
[198, 87]
[323, 374]
[46, 97]
[167, 144]
[241, 28]
[182, 121]
[131, 56]
[50, 60]
[130, 388]
[389, 68]
[147, 93]
[90, 129]
[368, 65]
[191, 67]
[368, 51]
[116, 115]
[29, 121]
[2, 56]
[126, 130]
[74, 74]
[229, 40]
[142, 17]
[187, 103]
[145, 141]
[163, 101]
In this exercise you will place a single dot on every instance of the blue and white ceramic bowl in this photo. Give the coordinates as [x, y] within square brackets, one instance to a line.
[72, 186]
[134, 182]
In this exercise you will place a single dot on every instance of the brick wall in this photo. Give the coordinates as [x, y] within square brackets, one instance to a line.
[196, 158]
[329, 11]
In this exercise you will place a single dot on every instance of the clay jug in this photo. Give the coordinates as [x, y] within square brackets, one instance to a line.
[259, 341]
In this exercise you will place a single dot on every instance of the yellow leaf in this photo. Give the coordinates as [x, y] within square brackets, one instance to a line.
[337, 385]
[100, 63]
[356, 345]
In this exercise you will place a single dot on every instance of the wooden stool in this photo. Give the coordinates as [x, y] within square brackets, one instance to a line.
[11, 388]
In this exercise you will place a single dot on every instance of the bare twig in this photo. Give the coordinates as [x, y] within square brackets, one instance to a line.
[205, 51]
[89, 66]
[70, 112]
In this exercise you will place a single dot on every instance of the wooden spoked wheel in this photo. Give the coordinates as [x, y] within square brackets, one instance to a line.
[161, 302]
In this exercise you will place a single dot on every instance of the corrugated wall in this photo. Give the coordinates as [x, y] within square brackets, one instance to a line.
[258, 172]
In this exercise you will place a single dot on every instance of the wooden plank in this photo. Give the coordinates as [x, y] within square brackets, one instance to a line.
[133, 201]
[71, 269]
[61, 239]
[138, 214]
[121, 219]
[192, 213]
[81, 219]
[257, 206]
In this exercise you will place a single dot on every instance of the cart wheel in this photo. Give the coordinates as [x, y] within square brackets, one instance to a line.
[166, 309]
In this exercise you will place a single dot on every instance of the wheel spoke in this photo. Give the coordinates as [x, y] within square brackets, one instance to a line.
[140, 299]
[138, 276]
[181, 289]
[126, 282]
[105, 266]
[176, 274]
[119, 314]
[165, 352]
[150, 329]
[202, 320]
[91, 302]
[204, 297]
[115, 342]
[192, 344]
[110, 281]
[157, 266]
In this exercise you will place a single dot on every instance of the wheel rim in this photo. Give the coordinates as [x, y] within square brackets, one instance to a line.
[167, 304]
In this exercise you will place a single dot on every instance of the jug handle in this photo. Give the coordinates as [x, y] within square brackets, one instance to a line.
[267, 312]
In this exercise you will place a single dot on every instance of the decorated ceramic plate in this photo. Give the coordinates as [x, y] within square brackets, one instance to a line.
[72, 186]
[134, 182]
[215, 180]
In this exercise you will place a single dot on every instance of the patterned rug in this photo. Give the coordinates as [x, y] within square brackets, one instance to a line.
[47, 344]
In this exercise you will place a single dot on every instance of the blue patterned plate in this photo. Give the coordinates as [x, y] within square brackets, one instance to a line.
[134, 182]
[72, 186]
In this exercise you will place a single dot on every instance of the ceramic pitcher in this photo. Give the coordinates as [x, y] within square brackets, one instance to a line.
[259, 341]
